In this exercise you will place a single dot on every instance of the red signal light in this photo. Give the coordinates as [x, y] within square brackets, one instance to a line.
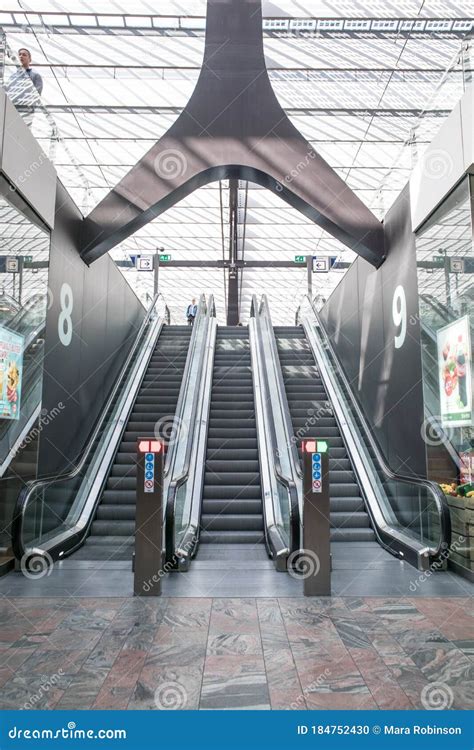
[309, 446]
[150, 446]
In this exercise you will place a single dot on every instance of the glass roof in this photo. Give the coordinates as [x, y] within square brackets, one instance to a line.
[368, 84]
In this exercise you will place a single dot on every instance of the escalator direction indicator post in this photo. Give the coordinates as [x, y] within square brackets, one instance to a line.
[149, 518]
[316, 517]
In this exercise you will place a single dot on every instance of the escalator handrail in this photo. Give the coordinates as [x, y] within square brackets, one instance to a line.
[432, 487]
[35, 485]
[25, 309]
[176, 481]
[295, 460]
[171, 453]
[287, 482]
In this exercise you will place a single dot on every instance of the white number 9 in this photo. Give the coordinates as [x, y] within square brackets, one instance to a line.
[399, 315]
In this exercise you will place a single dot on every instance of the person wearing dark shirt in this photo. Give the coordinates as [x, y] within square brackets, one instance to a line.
[191, 312]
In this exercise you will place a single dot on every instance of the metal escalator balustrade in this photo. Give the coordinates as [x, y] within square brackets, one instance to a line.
[409, 515]
[112, 534]
[53, 515]
[186, 466]
[232, 500]
[312, 416]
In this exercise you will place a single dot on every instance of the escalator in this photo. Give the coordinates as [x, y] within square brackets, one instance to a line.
[232, 497]
[312, 416]
[112, 531]
[89, 511]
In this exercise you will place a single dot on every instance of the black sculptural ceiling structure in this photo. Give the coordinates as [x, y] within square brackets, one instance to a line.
[233, 127]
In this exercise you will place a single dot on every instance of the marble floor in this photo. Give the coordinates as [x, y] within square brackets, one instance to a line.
[236, 653]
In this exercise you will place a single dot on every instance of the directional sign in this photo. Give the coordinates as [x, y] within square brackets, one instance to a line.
[456, 265]
[144, 263]
[12, 264]
[320, 265]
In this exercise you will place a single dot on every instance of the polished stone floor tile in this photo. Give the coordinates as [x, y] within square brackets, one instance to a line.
[167, 688]
[234, 683]
[380, 680]
[236, 653]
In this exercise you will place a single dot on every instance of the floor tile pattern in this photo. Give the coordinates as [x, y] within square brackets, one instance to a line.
[245, 653]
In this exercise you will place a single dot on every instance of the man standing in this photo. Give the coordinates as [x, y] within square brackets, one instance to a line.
[24, 55]
[191, 312]
[25, 87]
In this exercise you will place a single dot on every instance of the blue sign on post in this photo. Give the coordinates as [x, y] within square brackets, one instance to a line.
[316, 479]
[149, 482]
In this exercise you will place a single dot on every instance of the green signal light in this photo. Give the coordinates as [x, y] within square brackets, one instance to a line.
[322, 446]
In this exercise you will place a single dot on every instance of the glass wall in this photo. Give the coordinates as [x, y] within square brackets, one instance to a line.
[24, 260]
[445, 261]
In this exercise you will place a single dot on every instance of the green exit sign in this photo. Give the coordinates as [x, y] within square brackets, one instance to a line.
[165, 258]
[300, 259]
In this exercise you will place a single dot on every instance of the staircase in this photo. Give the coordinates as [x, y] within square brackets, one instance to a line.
[232, 498]
[312, 416]
[112, 531]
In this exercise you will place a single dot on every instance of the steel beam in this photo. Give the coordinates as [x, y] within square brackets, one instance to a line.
[233, 127]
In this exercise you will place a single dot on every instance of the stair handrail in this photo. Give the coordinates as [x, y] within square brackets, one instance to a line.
[36, 485]
[434, 490]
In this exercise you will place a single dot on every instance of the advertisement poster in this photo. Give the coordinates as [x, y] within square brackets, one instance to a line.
[455, 373]
[11, 373]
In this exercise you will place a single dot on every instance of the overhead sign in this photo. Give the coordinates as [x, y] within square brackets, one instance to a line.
[456, 265]
[322, 263]
[144, 263]
[300, 258]
[12, 264]
[455, 373]
[165, 258]
[316, 473]
[11, 373]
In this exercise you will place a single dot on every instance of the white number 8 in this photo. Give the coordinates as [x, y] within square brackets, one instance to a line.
[65, 321]
[399, 315]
